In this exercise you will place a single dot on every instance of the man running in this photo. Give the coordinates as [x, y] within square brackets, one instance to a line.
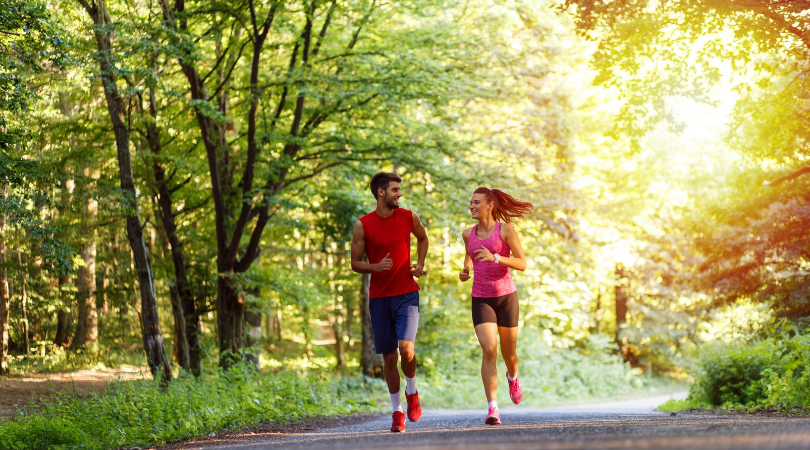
[384, 235]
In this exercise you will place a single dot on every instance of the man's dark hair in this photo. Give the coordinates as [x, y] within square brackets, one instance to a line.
[381, 180]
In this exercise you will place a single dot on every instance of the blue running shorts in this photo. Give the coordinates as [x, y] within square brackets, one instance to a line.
[394, 319]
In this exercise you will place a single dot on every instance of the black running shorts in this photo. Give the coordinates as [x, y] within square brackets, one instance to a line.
[502, 310]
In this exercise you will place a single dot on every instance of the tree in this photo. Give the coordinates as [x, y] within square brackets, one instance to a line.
[152, 336]
[323, 76]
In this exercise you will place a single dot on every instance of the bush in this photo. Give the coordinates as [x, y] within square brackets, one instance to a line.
[770, 372]
[789, 377]
[733, 375]
[141, 413]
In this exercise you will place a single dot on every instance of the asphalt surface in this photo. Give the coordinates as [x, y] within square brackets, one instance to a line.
[626, 425]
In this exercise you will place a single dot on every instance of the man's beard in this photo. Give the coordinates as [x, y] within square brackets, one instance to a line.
[390, 204]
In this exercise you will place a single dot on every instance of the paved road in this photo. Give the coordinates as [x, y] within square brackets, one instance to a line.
[608, 426]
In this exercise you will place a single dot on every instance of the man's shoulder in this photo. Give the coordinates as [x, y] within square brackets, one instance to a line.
[366, 217]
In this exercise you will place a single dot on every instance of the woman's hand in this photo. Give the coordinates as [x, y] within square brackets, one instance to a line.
[482, 254]
[464, 275]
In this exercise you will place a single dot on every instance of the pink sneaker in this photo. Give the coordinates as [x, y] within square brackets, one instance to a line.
[493, 417]
[515, 392]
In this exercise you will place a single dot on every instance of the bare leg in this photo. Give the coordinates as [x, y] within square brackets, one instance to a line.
[487, 334]
[408, 360]
[391, 371]
[509, 348]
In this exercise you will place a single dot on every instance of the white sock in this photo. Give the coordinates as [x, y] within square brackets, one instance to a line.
[510, 377]
[410, 385]
[395, 403]
[493, 404]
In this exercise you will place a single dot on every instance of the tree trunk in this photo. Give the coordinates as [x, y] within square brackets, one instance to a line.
[62, 326]
[24, 303]
[185, 296]
[87, 320]
[340, 356]
[230, 321]
[4, 295]
[181, 350]
[370, 361]
[274, 325]
[181, 353]
[270, 325]
[152, 337]
[621, 317]
[253, 329]
[339, 324]
[621, 303]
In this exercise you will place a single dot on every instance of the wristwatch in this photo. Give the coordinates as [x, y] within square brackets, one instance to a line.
[497, 257]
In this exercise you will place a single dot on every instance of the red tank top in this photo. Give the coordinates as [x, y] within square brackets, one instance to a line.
[390, 235]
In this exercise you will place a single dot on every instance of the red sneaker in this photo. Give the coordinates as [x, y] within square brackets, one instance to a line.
[493, 417]
[414, 408]
[515, 392]
[398, 425]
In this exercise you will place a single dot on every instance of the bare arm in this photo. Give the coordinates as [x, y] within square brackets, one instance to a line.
[359, 249]
[464, 275]
[509, 235]
[518, 259]
[422, 244]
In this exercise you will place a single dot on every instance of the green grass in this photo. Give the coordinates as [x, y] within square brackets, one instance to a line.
[680, 405]
[143, 414]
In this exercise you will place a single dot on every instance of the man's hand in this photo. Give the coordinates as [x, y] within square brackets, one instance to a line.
[417, 270]
[464, 275]
[483, 254]
[385, 264]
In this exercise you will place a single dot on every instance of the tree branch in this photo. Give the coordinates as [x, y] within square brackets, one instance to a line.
[314, 172]
[227, 77]
[253, 146]
[192, 208]
[180, 186]
[790, 176]
[322, 34]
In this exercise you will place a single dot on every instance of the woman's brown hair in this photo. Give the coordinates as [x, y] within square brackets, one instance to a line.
[506, 206]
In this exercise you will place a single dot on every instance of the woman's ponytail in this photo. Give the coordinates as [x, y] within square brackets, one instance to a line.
[506, 206]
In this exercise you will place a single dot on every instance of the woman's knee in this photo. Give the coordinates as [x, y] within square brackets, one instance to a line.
[490, 352]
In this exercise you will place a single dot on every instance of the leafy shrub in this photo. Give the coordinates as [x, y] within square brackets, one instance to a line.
[733, 375]
[770, 372]
[789, 377]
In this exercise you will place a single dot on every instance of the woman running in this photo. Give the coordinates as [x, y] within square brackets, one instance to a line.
[494, 294]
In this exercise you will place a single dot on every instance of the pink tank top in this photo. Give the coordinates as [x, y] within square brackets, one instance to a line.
[490, 279]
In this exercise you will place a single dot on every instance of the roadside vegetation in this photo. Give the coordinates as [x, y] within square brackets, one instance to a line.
[144, 413]
[767, 373]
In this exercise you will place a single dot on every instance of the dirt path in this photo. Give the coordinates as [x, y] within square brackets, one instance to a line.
[20, 390]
